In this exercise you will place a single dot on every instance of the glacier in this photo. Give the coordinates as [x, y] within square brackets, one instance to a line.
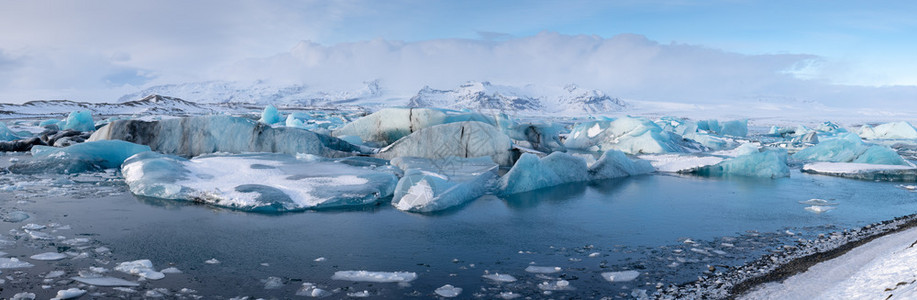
[193, 136]
[265, 182]
[461, 139]
[894, 130]
[532, 173]
[849, 147]
[632, 135]
[430, 185]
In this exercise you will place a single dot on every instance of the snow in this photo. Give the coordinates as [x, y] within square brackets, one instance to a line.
[448, 291]
[461, 139]
[80, 120]
[256, 182]
[142, 268]
[569, 100]
[48, 256]
[542, 269]
[848, 147]
[893, 130]
[196, 136]
[13, 263]
[368, 276]
[621, 276]
[106, 281]
[70, 293]
[884, 268]
[270, 115]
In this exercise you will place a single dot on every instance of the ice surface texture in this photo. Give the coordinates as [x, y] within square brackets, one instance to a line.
[256, 182]
[848, 147]
[628, 134]
[436, 184]
[461, 139]
[6, 134]
[763, 162]
[270, 115]
[531, 173]
[210, 134]
[388, 125]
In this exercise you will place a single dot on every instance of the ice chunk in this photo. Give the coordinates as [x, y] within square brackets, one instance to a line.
[531, 173]
[80, 121]
[765, 162]
[170, 270]
[142, 268]
[33, 226]
[621, 276]
[863, 171]
[6, 134]
[70, 293]
[628, 134]
[105, 281]
[390, 124]
[448, 291]
[560, 285]
[737, 128]
[23, 296]
[436, 184]
[894, 130]
[542, 270]
[309, 289]
[212, 261]
[256, 182]
[13, 263]
[461, 139]
[368, 276]
[848, 147]
[500, 277]
[270, 115]
[49, 256]
[614, 164]
[106, 154]
[680, 163]
[210, 134]
[819, 208]
[294, 122]
[272, 283]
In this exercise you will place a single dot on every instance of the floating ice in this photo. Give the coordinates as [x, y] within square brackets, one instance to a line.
[816, 201]
[23, 296]
[272, 283]
[509, 295]
[863, 171]
[38, 235]
[680, 163]
[105, 281]
[48, 256]
[448, 291]
[210, 134]
[500, 277]
[560, 285]
[256, 182]
[628, 134]
[540, 137]
[819, 208]
[310, 290]
[390, 124]
[104, 154]
[6, 134]
[79, 121]
[368, 276]
[848, 147]
[13, 263]
[360, 294]
[55, 274]
[142, 268]
[270, 115]
[765, 162]
[894, 130]
[436, 184]
[615, 164]
[542, 270]
[33, 226]
[737, 128]
[621, 276]
[170, 270]
[212, 261]
[70, 293]
[531, 173]
[461, 139]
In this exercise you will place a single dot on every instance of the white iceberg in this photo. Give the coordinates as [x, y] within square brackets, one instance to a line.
[621, 276]
[142, 268]
[848, 147]
[256, 182]
[436, 184]
[628, 134]
[460, 139]
[680, 163]
[894, 130]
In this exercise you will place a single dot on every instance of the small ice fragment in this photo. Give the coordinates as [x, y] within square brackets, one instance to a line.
[98, 269]
[819, 208]
[509, 295]
[621, 276]
[310, 290]
[448, 291]
[908, 187]
[272, 283]
[727, 245]
[23, 296]
[142, 268]
[559, 285]
[70, 293]
[701, 251]
[788, 232]
[76, 241]
[720, 252]
[48, 256]
[102, 250]
[542, 270]
[105, 281]
[170, 270]
[124, 289]
[55, 274]
[33, 226]
[37, 235]
[594, 254]
[689, 241]
[13, 263]
[374, 276]
[360, 294]
[212, 261]
[500, 277]
[320, 259]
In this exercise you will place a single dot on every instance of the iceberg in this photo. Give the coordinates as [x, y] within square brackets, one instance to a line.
[680, 163]
[256, 182]
[436, 184]
[764, 162]
[461, 139]
[540, 137]
[736, 128]
[863, 171]
[6, 134]
[688, 130]
[85, 157]
[531, 173]
[388, 125]
[628, 134]
[848, 147]
[80, 120]
[270, 115]
[195, 136]
[894, 130]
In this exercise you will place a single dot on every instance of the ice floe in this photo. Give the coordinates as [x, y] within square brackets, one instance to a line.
[105, 281]
[142, 268]
[500, 277]
[13, 263]
[621, 276]
[542, 269]
[70, 293]
[49, 256]
[369, 276]
[448, 291]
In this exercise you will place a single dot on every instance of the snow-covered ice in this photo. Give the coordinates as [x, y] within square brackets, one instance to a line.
[436, 184]
[500, 277]
[369, 276]
[142, 268]
[448, 291]
[632, 135]
[893, 130]
[461, 139]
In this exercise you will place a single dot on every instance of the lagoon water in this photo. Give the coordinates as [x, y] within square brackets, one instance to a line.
[670, 228]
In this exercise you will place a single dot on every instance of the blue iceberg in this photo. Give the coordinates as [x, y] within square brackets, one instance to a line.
[849, 147]
[270, 115]
[79, 121]
[431, 185]
[531, 173]
[894, 130]
[628, 134]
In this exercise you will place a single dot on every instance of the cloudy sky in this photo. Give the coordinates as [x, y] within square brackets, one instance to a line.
[653, 50]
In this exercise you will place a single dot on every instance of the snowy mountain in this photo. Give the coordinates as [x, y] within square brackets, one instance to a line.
[153, 104]
[260, 93]
[569, 100]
